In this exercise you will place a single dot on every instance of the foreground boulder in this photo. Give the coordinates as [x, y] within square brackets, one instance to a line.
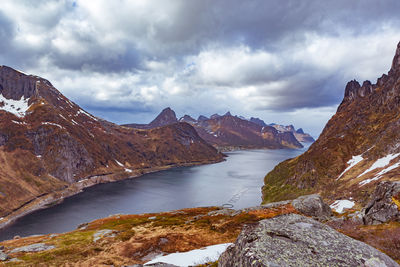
[295, 240]
[312, 205]
[384, 205]
[309, 205]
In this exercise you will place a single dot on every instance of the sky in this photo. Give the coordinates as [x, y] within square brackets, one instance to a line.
[284, 61]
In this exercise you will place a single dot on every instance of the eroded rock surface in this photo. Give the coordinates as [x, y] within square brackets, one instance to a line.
[382, 207]
[312, 205]
[295, 240]
[33, 248]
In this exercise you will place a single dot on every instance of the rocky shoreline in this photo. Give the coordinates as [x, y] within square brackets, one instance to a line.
[57, 197]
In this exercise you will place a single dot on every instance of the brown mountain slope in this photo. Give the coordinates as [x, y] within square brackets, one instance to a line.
[227, 131]
[358, 146]
[49, 144]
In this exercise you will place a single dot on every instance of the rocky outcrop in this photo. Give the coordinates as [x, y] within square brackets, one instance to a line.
[358, 147]
[202, 118]
[33, 248]
[312, 205]
[258, 121]
[299, 134]
[3, 256]
[15, 85]
[187, 119]
[384, 205]
[166, 117]
[295, 240]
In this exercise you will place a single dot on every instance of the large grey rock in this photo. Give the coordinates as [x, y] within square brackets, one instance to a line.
[3, 256]
[295, 240]
[312, 205]
[33, 248]
[103, 233]
[381, 208]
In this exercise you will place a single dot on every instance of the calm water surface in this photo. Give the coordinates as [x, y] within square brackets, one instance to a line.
[236, 181]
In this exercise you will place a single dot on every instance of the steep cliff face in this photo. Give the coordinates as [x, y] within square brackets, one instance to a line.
[358, 147]
[48, 143]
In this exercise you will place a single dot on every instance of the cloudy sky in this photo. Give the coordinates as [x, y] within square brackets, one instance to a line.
[285, 61]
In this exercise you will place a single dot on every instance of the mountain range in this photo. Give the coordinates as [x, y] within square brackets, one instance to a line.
[51, 148]
[227, 132]
[358, 147]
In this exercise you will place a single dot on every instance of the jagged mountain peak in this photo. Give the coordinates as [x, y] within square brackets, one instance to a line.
[215, 116]
[166, 117]
[202, 118]
[188, 119]
[258, 121]
[396, 60]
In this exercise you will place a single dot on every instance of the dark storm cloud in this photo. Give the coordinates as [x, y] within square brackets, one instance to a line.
[281, 55]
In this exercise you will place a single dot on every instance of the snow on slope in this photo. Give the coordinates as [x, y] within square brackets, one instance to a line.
[380, 163]
[340, 205]
[16, 107]
[353, 162]
[193, 257]
[379, 175]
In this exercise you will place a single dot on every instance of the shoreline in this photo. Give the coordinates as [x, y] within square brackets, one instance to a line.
[57, 197]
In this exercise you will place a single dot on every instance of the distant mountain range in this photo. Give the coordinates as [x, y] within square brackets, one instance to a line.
[231, 132]
[359, 146]
[51, 148]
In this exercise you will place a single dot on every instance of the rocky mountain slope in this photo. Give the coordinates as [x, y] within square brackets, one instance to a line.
[51, 148]
[229, 132]
[232, 131]
[300, 135]
[358, 146]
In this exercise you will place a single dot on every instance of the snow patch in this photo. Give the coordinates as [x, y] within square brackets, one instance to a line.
[87, 114]
[193, 257]
[379, 175]
[23, 72]
[19, 122]
[352, 162]
[119, 163]
[380, 163]
[62, 117]
[74, 122]
[53, 124]
[340, 205]
[16, 107]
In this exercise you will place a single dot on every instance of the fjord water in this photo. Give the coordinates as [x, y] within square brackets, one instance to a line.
[236, 181]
